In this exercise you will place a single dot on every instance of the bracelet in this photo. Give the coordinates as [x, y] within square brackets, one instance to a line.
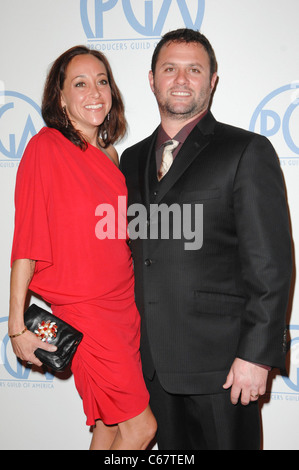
[19, 334]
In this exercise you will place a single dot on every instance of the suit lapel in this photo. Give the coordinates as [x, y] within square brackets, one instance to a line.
[146, 153]
[196, 142]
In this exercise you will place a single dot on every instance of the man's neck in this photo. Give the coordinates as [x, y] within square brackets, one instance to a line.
[173, 126]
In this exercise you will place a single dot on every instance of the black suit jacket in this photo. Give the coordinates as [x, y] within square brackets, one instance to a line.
[201, 309]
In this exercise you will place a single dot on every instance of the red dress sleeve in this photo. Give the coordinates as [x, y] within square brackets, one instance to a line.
[32, 238]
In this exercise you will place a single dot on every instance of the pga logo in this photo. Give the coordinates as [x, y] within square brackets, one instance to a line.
[277, 117]
[146, 17]
[292, 381]
[10, 367]
[20, 119]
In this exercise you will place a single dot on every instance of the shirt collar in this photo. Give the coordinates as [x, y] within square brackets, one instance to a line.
[181, 135]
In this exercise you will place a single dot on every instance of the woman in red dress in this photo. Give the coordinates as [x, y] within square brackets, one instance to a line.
[68, 169]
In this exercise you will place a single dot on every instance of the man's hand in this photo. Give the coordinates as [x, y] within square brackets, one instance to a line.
[247, 381]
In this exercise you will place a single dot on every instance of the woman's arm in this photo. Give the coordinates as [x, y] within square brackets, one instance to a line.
[25, 344]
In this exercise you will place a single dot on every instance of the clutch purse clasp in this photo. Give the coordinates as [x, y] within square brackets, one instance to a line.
[46, 331]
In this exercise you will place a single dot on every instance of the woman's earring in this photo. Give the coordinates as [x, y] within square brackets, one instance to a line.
[66, 119]
[108, 117]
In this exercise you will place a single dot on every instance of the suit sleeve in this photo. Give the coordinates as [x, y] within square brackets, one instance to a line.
[263, 232]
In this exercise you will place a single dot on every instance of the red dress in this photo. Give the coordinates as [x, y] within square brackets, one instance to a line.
[88, 281]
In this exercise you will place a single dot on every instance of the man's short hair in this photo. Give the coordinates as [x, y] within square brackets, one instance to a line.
[187, 36]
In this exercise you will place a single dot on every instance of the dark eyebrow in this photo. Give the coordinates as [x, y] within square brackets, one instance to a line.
[85, 76]
[173, 64]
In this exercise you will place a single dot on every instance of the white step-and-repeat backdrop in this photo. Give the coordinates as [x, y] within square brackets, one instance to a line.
[257, 46]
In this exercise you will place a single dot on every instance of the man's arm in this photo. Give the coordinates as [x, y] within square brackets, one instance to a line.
[264, 240]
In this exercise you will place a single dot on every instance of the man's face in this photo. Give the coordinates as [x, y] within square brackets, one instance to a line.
[182, 83]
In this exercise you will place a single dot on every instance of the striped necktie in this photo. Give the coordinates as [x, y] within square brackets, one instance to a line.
[167, 157]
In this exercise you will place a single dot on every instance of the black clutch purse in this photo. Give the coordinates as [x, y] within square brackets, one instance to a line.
[52, 329]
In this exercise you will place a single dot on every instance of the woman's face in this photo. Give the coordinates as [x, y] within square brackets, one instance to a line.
[86, 94]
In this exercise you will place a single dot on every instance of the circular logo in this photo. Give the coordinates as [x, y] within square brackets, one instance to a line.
[292, 381]
[20, 119]
[277, 117]
[11, 368]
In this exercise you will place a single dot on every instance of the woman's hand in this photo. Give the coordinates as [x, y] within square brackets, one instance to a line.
[25, 345]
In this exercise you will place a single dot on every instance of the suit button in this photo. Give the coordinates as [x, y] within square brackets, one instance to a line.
[148, 262]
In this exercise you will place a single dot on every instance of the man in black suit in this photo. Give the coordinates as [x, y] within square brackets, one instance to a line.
[213, 312]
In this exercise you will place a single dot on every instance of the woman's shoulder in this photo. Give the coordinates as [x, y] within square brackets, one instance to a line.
[47, 135]
[42, 147]
[45, 142]
[113, 154]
